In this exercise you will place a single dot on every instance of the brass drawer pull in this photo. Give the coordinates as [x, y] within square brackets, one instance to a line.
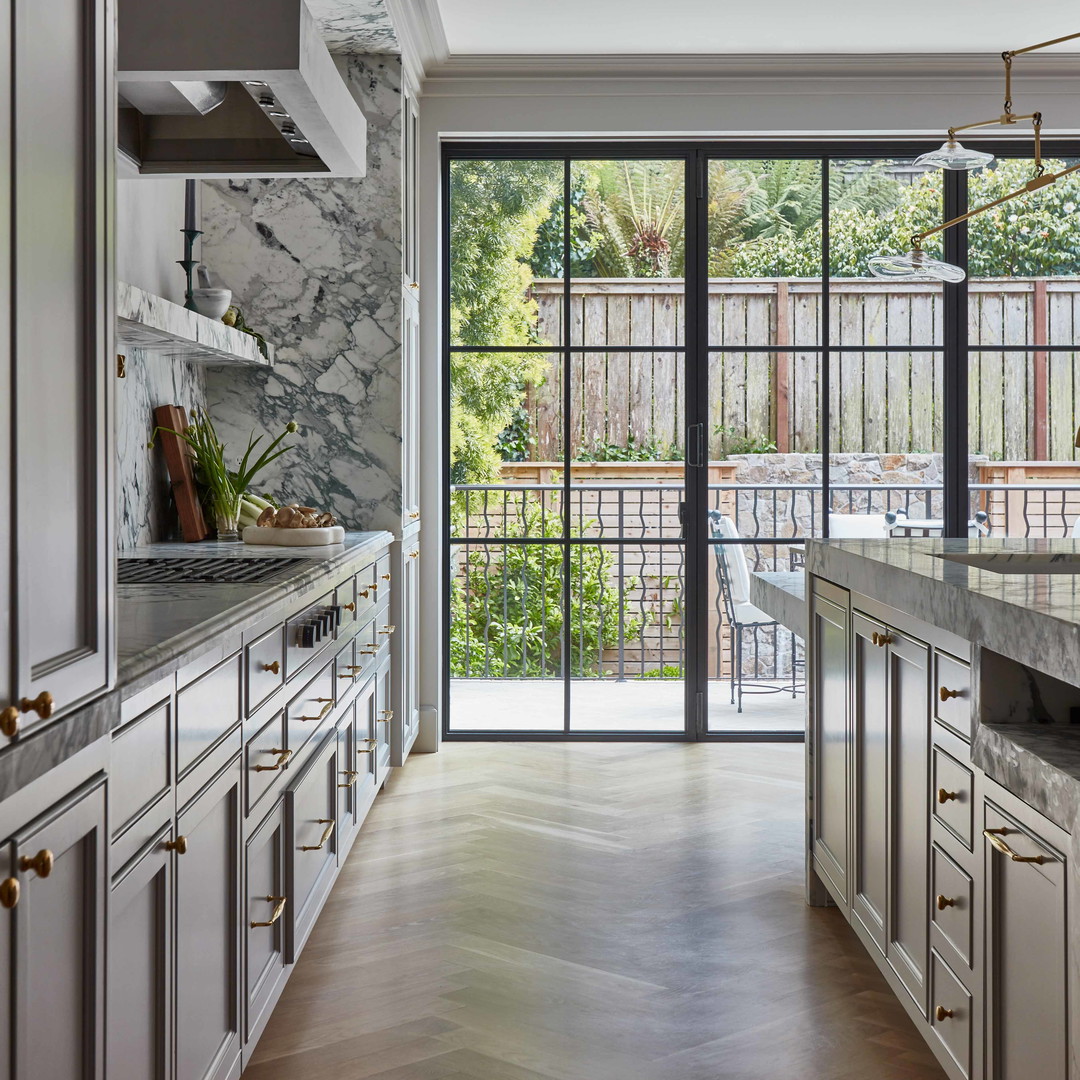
[386, 577]
[995, 838]
[279, 903]
[387, 629]
[364, 592]
[352, 774]
[41, 863]
[944, 693]
[324, 712]
[414, 554]
[414, 515]
[327, 833]
[371, 744]
[351, 605]
[881, 640]
[369, 652]
[283, 759]
[388, 714]
[9, 725]
[351, 678]
[941, 1013]
[179, 845]
[9, 892]
[944, 901]
[275, 667]
[944, 796]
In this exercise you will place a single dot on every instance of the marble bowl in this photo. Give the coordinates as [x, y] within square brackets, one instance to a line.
[213, 303]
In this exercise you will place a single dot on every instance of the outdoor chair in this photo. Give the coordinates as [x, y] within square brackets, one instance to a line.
[733, 578]
[851, 526]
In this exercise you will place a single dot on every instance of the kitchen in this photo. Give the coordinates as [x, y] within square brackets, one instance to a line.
[222, 740]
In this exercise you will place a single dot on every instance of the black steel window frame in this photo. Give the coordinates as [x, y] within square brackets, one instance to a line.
[697, 154]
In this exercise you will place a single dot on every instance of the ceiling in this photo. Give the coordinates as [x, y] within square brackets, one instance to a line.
[695, 27]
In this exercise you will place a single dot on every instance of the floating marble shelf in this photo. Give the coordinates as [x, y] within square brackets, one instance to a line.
[145, 321]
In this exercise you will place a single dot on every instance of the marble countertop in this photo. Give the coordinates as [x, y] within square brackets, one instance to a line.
[160, 627]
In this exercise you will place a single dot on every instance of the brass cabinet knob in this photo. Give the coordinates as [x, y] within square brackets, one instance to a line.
[9, 892]
[283, 757]
[386, 577]
[179, 845]
[881, 640]
[414, 515]
[42, 705]
[275, 667]
[364, 592]
[941, 1013]
[327, 833]
[945, 693]
[351, 605]
[944, 901]
[414, 554]
[279, 903]
[41, 863]
[9, 721]
[944, 796]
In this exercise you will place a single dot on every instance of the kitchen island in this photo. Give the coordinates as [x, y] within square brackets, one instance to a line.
[943, 785]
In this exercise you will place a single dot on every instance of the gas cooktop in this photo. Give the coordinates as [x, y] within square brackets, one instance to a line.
[177, 571]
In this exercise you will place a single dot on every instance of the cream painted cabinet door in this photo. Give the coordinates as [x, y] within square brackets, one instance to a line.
[829, 812]
[1027, 958]
[62, 312]
[406, 612]
[410, 408]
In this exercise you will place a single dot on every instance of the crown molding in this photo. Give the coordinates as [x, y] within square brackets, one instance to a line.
[419, 28]
[739, 66]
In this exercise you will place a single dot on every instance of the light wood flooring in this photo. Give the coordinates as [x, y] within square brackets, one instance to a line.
[586, 912]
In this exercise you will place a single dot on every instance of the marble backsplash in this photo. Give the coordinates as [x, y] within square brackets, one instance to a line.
[144, 510]
[316, 267]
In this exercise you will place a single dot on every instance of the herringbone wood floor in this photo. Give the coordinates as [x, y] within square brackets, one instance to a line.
[586, 912]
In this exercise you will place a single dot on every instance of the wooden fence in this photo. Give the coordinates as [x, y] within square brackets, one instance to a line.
[1022, 404]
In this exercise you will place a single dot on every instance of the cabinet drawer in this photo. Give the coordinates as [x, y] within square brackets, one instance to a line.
[205, 711]
[308, 633]
[367, 590]
[140, 773]
[952, 694]
[312, 844]
[384, 713]
[264, 972]
[265, 666]
[265, 759]
[383, 576]
[950, 903]
[950, 1013]
[307, 712]
[951, 796]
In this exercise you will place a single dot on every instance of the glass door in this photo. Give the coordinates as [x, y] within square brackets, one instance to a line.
[567, 415]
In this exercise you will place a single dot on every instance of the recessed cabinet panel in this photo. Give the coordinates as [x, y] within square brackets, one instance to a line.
[207, 932]
[951, 1017]
[909, 827]
[952, 694]
[59, 942]
[952, 796]
[829, 813]
[264, 920]
[265, 663]
[139, 997]
[205, 711]
[266, 757]
[384, 714]
[869, 670]
[140, 773]
[312, 843]
[1027, 952]
[951, 897]
[307, 712]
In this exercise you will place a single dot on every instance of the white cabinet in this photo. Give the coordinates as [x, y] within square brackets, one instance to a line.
[410, 408]
[56, 158]
[405, 608]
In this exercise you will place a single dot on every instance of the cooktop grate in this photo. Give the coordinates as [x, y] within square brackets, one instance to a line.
[177, 571]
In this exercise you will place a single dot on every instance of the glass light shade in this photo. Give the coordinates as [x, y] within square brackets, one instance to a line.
[915, 264]
[951, 155]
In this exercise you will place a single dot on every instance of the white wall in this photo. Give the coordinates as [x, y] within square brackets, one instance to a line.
[149, 217]
[773, 105]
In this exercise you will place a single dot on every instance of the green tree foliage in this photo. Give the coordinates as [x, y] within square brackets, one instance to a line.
[496, 208]
[506, 618]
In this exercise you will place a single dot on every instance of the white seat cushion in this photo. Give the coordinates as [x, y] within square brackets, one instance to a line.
[738, 571]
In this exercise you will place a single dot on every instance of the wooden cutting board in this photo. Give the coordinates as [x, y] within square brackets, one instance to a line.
[181, 473]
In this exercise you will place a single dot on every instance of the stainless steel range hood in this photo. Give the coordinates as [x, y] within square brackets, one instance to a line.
[233, 89]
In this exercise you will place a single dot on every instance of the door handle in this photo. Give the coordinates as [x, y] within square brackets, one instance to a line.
[695, 435]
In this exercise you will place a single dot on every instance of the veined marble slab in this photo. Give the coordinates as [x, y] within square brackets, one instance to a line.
[355, 26]
[154, 324]
[161, 627]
